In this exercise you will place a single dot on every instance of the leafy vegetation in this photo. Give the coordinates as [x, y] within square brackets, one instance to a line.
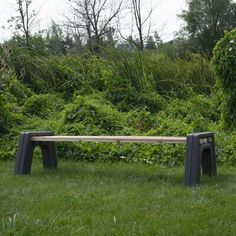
[224, 62]
[89, 84]
[72, 86]
[206, 22]
[121, 93]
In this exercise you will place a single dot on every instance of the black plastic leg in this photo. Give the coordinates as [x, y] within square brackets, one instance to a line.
[26, 149]
[200, 153]
[49, 155]
[24, 154]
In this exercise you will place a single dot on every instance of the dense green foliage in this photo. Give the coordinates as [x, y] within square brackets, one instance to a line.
[119, 93]
[206, 21]
[224, 61]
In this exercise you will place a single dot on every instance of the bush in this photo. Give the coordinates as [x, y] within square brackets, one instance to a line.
[224, 62]
[225, 147]
[86, 115]
[8, 146]
[126, 99]
[4, 116]
[68, 80]
[13, 89]
[182, 117]
[9, 115]
[141, 120]
[44, 106]
[194, 107]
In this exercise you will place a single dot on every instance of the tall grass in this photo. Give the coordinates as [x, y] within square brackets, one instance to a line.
[180, 78]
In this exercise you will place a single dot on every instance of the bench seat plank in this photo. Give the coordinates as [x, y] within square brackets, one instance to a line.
[115, 139]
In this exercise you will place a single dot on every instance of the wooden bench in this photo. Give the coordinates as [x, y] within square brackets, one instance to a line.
[200, 150]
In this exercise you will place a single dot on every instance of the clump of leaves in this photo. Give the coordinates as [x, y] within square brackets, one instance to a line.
[44, 106]
[224, 62]
[9, 115]
[91, 116]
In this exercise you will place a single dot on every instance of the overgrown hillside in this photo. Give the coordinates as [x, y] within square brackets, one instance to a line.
[116, 93]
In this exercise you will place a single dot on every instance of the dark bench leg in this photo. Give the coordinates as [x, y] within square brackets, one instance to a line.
[200, 154]
[26, 149]
[49, 155]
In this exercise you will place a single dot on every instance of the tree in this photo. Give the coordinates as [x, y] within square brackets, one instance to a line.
[140, 25]
[55, 39]
[150, 43]
[92, 19]
[24, 21]
[206, 21]
[139, 22]
[153, 42]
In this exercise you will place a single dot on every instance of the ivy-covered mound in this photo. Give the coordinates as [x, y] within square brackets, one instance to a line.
[119, 93]
[224, 62]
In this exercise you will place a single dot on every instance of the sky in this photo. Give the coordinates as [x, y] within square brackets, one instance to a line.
[164, 19]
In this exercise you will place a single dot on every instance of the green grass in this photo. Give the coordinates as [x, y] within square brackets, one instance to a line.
[115, 199]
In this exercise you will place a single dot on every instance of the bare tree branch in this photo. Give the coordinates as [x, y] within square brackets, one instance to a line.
[140, 24]
[92, 17]
[24, 21]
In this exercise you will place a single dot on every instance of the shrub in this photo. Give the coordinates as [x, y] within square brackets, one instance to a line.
[43, 106]
[4, 116]
[225, 147]
[32, 67]
[95, 71]
[195, 115]
[86, 115]
[224, 62]
[12, 94]
[13, 89]
[189, 110]
[9, 115]
[81, 75]
[141, 120]
[8, 146]
[126, 99]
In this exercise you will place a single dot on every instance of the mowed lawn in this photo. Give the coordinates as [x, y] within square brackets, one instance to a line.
[82, 198]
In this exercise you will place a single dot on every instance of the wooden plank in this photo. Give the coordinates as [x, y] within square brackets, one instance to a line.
[115, 139]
